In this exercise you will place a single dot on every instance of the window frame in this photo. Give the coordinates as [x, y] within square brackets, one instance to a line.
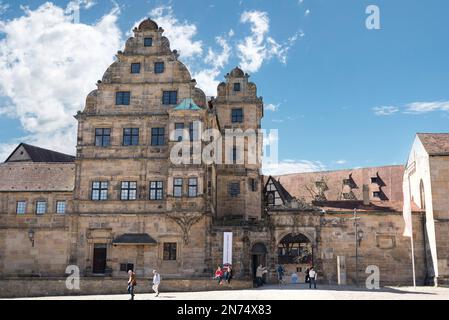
[158, 136]
[133, 65]
[232, 186]
[128, 190]
[156, 190]
[148, 42]
[122, 98]
[102, 136]
[170, 251]
[57, 207]
[131, 135]
[180, 186]
[24, 207]
[237, 118]
[169, 97]
[102, 190]
[179, 131]
[37, 207]
[192, 187]
[157, 67]
[237, 87]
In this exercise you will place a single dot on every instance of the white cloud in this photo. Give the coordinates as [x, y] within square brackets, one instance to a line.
[180, 33]
[342, 161]
[253, 50]
[385, 110]
[425, 107]
[47, 67]
[272, 107]
[288, 166]
[307, 13]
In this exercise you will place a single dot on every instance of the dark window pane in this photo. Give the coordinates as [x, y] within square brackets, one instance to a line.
[157, 136]
[169, 251]
[177, 187]
[234, 189]
[237, 115]
[237, 86]
[135, 67]
[169, 97]
[122, 97]
[131, 136]
[148, 42]
[159, 67]
[102, 137]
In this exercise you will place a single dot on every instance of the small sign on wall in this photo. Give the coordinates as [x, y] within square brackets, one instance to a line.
[227, 248]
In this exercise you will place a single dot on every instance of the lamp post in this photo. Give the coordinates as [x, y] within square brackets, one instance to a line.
[31, 236]
[358, 236]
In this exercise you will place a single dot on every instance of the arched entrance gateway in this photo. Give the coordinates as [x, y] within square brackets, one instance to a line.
[258, 256]
[295, 253]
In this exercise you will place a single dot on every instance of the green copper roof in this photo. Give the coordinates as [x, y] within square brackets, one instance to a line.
[187, 104]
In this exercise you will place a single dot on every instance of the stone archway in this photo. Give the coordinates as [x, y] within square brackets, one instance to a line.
[258, 256]
[295, 253]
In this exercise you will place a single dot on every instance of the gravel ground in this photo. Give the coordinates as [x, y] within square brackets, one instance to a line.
[286, 292]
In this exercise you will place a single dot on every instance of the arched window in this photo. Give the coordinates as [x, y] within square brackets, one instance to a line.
[422, 195]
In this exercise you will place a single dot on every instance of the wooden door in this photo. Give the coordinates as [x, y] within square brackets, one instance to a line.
[99, 259]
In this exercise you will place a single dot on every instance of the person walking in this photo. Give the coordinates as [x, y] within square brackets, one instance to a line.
[280, 273]
[132, 282]
[312, 278]
[156, 282]
[260, 271]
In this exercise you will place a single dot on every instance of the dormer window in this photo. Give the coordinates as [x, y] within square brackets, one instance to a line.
[375, 180]
[148, 42]
[135, 67]
[237, 86]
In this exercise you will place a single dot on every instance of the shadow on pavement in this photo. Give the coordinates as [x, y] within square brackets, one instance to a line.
[303, 286]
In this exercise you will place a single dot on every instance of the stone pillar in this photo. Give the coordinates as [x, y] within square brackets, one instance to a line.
[341, 270]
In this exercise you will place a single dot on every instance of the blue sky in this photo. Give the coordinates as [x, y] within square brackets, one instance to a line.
[342, 96]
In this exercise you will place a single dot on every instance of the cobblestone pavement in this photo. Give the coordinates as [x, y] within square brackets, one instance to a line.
[286, 292]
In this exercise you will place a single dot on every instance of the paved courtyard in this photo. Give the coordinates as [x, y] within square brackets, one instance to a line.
[286, 292]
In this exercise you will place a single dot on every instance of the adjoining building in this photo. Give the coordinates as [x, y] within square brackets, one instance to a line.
[121, 203]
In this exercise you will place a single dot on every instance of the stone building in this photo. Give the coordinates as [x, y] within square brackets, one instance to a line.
[123, 202]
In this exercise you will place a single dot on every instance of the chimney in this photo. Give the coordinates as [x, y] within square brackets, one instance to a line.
[366, 201]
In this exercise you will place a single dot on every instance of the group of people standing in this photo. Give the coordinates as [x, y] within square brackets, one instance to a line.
[310, 275]
[132, 282]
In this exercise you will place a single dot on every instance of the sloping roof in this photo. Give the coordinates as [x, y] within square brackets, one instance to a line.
[304, 185]
[38, 154]
[31, 176]
[187, 104]
[435, 143]
[134, 238]
[283, 193]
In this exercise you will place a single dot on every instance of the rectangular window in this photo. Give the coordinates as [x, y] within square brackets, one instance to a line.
[21, 207]
[374, 180]
[234, 154]
[193, 187]
[135, 67]
[41, 207]
[179, 131]
[156, 190]
[60, 207]
[102, 137]
[237, 115]
[122, 97]
[377, 194]
[177, 187]
[128, 190]
[131, 136]
[253, 184]
[126, 267]
[169, 250]
[157, 136]
[237, 86]
[99, 190]
[193, 132]
[159, 67]
[170, 97]
[148, 42]
[234, 189]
